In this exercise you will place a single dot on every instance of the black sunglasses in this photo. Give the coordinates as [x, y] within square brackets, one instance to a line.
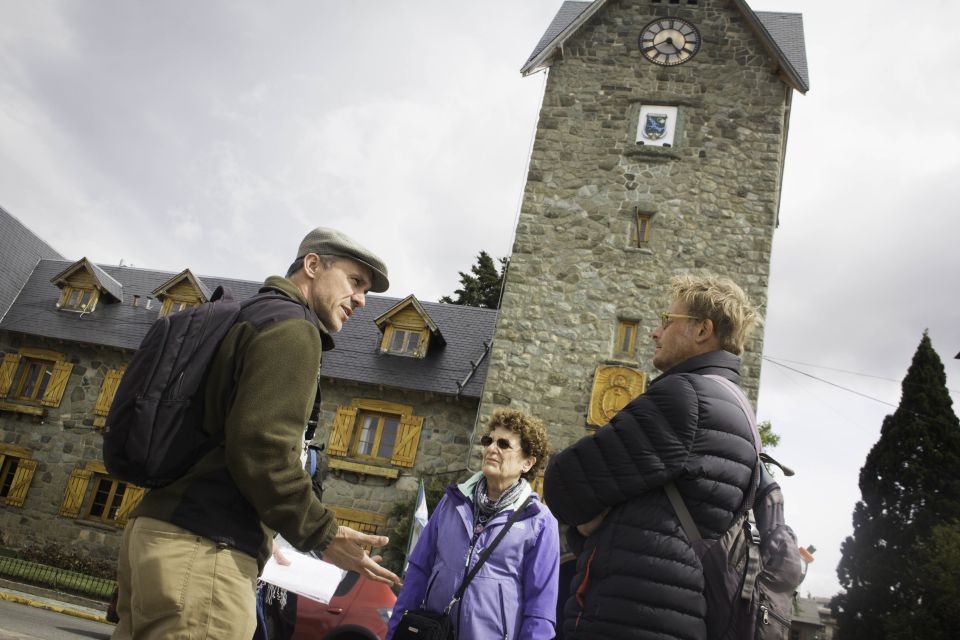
[502, 443]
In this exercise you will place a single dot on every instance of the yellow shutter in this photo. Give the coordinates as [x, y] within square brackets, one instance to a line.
[7, 369]
[107, 390]
[21, 482]
[131, 498]
[405, 450]
[76, 492]
[57, 384]
[342, 430]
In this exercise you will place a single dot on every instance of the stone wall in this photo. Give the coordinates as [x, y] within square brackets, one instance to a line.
[66, 439]
[63, 440]
[576, 266]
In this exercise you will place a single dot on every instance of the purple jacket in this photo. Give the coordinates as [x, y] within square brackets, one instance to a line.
[514, 595]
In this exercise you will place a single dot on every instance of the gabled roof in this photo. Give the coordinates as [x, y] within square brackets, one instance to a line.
[104, 281]
[411, 301]
[20, 250]
[187, 275]
[468, 330]
[780, 33]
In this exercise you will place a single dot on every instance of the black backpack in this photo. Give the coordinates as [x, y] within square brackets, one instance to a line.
[752, 572]
[153, 431]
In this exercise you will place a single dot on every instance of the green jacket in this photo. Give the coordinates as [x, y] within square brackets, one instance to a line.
[258, 397]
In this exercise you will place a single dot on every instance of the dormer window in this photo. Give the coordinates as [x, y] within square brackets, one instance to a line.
[78, 298]
[180, 292]
[404, 342]
[83, 284]
[408, 330]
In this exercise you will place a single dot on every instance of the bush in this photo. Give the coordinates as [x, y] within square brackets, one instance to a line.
[54, 555]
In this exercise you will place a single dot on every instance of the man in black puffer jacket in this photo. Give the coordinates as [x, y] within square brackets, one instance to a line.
[637, 575]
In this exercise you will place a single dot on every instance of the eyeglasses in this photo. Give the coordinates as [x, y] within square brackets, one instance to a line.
[502, 443]
[665, 318]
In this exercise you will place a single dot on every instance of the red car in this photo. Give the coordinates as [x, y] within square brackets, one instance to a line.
[359, 610]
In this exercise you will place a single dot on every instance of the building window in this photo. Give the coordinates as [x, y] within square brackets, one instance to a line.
[78, 298]
[404, 342]
[376, 435]
[100, 497]
[643, 228]
[376, 430]
[626, 344]
[33, 377]
[173, 305]
[16, 473]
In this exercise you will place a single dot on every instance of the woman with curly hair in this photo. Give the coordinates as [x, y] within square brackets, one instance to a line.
[514, 594]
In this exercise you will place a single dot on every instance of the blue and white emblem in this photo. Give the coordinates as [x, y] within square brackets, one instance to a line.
[655, 126]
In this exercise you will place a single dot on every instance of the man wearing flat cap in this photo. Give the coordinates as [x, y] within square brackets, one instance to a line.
[193, 550]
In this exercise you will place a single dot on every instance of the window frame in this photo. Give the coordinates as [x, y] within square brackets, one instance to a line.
[17, 467]
[623, 326]
[91, 293]
[347, 428]
[642, 224]
[383, 417]
[421, 333]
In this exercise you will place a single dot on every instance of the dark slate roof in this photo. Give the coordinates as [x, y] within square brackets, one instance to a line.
[781, 33]
[786, 29]
[356, 356]
[20, 250]
[567, 13]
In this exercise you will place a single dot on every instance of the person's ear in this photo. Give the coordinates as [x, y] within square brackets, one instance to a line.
[532, 460]
[311, 264]
[704, 330]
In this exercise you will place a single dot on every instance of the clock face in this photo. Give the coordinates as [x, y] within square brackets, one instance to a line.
[669, 41]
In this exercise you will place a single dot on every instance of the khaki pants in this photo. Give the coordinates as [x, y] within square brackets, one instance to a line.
[176, 584]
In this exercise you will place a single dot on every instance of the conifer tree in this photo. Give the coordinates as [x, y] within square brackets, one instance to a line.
[482, 288]
[909, 484]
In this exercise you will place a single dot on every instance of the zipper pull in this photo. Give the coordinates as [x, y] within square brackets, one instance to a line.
[766, 615]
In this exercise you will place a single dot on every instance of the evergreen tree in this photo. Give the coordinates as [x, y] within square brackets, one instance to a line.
[909, 484]
[482, 288]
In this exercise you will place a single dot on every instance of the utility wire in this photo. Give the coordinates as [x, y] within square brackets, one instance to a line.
[855, 373]
[832, 384]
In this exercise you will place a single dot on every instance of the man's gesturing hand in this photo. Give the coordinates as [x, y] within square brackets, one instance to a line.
[345, 552]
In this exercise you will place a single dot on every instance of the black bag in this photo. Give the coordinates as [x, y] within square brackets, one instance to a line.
[752, 572]
[422, 624]
[153, 431]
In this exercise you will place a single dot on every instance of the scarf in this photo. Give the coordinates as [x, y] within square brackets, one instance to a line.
[484, 508]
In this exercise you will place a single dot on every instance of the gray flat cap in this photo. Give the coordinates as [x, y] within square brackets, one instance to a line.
[330, 242]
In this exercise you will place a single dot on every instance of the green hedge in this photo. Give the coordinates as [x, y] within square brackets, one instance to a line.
[58, 579]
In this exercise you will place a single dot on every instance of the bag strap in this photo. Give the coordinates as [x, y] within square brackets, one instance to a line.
[753, 535]
[486, 554]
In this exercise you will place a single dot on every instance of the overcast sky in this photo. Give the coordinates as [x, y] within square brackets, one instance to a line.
[212, 135]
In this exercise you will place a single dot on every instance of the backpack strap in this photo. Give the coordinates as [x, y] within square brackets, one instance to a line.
[752, 569]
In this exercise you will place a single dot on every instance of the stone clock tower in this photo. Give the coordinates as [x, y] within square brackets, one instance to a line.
[659, 151]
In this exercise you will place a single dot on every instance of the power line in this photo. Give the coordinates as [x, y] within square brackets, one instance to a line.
[855, 373]
[832, 384]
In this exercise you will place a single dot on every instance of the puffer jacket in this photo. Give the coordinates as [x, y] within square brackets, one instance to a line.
[258, 396]
[514, 594]
[637, 576]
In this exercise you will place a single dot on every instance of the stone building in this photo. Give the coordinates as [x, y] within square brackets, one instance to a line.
[659, 150]
[400, 393]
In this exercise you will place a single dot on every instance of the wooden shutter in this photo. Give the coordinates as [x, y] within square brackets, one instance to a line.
[342, 430]
[7, 370]
[76, 492]
[405, 450]
[57, 384]
[21, 481]
[131, 498]
[107, 390]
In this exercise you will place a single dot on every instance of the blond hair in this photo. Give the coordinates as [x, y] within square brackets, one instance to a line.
[722, 301]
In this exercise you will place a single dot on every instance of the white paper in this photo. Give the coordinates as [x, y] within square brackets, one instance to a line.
[305, 575]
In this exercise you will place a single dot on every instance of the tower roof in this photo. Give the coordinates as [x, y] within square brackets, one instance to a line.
[780, 33]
